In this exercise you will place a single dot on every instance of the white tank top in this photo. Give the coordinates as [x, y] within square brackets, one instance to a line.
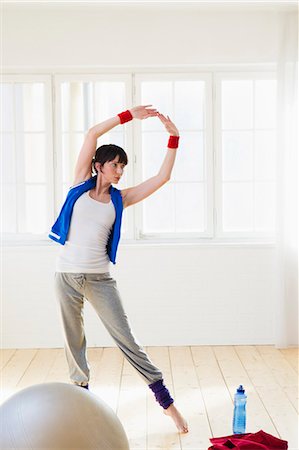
[85, 249]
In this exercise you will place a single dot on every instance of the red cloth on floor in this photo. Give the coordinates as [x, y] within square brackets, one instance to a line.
[249, 441]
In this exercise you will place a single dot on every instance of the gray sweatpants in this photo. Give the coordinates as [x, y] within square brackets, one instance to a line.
[101, 291]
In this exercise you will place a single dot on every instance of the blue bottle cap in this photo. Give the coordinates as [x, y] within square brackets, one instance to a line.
[240, 389]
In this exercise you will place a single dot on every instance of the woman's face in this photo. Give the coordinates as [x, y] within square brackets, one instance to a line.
[111, 171]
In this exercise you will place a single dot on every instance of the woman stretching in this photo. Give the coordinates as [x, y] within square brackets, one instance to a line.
[88, 227]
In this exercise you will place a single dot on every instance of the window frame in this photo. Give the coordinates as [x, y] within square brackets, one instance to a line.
[20, 237]
[85, 77]
[218, 78]
[207, 78]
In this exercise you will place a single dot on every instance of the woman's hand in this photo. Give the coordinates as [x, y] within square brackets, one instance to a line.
[143, 112]
[169, 125]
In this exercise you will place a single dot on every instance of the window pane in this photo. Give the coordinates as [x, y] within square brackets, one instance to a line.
[83, 105]
[23, 155]
[189, 165]
[153, 153]
[158, 211]
[265, 206]
[124, 223]
[9, 209]
[237, 104]
[237, 155]
[7, 159]
[35, 152]
[190, 207]
[265, 155]
[184, 102]
[30, 106]
[65, 189]
[36, 218]
[71, 146]
[158, 94]
[265, 103]
[77, 104]
[7, 107]
[237, 207]
[113, 137]
[109, 99]
[249, 156]
[189, 104]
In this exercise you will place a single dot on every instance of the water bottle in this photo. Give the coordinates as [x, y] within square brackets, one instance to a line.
[239, 420]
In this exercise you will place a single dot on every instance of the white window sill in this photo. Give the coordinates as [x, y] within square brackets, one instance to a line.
[39, 241]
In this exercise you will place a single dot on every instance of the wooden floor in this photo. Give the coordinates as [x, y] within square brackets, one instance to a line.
[202, 379]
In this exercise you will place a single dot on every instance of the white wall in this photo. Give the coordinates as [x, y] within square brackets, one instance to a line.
[53, 36]
[174, 294]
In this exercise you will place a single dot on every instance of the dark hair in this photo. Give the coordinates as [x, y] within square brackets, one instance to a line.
[109, 152]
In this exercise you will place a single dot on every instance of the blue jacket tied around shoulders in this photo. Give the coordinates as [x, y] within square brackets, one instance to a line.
[60, 229]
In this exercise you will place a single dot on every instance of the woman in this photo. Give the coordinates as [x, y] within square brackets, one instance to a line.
[88, 227]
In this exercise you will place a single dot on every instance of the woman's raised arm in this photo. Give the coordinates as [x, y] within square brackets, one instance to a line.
[83, 170]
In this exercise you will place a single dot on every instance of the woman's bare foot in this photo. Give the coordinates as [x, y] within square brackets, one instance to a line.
[178, 419]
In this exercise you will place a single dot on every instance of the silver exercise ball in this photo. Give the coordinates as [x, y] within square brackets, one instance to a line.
[59, 416]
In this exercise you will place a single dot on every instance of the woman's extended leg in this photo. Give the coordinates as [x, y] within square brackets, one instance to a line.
[69, 290]
[102, 292]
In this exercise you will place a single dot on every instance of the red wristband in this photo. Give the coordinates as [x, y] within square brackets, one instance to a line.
[173, 142]
[125, 116]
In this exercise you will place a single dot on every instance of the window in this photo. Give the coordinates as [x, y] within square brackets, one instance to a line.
[246, 155]
[223, 185]
[26, 155]
[184, 205]
[82, 102]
